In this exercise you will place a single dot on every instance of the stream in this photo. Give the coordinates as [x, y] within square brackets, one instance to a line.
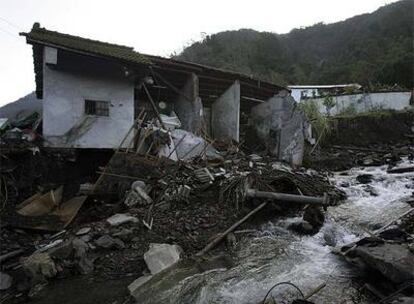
[274, 254]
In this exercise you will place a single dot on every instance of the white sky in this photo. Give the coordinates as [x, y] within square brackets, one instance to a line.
[157, 27]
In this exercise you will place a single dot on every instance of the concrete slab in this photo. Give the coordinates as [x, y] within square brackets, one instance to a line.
[161, 256]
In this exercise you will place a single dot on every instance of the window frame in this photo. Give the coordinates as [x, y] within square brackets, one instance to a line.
[95, 107]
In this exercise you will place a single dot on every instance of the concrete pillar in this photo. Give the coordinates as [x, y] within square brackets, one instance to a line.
[280, 125]
[189, 109]
[225, 114]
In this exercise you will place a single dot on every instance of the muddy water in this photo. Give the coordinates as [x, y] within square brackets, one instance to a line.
[274, 254]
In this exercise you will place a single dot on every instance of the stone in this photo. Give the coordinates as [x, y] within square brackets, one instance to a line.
[368, 161]
[138, 195]
[120, 218]
[40, 266]
[85, 265]
[371, 190]
[124, 234]
[302, 227]
[134, 286]
[393, 261]
[5, 281]
[162, 256]
[364, 178]
[330, 237]
[84, 230]
[62, 251]
[314, 216]
[108, 242]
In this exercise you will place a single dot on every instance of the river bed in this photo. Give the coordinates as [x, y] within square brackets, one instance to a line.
[274, 254]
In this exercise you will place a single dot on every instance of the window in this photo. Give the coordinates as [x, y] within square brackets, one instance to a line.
[96, 107]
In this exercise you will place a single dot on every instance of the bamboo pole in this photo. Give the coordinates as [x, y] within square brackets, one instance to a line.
[221, 236]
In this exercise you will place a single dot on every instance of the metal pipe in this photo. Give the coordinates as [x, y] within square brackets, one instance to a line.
[288, 197]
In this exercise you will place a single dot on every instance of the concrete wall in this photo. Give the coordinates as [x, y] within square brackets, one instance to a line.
[297, 93]
[225, 114]
[281, 127]
[64, 121]
[366, 102]
[189, 109]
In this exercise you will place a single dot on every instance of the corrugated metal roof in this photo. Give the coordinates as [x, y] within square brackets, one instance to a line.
[324, 86]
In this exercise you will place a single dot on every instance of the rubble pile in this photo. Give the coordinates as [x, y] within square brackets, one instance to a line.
[132, 203]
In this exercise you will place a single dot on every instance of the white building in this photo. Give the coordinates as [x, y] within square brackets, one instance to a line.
[93, 91]
[300, 92]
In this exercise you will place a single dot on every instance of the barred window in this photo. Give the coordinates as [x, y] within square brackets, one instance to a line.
[96, 107]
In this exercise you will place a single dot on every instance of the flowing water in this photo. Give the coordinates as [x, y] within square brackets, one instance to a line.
[274, 254]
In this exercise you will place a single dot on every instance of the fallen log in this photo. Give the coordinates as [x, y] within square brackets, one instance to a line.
[221, 236]
[302, 199]
[401, 170]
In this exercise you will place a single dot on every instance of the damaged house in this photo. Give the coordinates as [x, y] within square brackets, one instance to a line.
[93, 93]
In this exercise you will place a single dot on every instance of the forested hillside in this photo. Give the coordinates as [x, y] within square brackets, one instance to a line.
[371, 49]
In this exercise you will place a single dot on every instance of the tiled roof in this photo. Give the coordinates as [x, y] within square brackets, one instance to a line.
[118, 52]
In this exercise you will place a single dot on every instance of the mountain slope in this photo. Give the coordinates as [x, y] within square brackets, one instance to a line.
[371, 49]
[21, 107]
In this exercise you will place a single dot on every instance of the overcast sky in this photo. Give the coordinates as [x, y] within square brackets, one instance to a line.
[157, 27]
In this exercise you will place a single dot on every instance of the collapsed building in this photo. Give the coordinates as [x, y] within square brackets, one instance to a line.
[93, 92]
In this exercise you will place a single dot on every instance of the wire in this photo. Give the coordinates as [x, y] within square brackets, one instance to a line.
[7, 32]
[11, 23]
[283, 283]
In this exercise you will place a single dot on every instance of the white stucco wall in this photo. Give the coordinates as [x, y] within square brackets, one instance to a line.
[297, 93]
[64, 121]
[366, 102]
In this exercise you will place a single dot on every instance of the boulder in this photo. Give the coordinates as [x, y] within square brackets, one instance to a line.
[364, 178]
[162, 256]
[314, 216]
[5, 281]
[393, 261]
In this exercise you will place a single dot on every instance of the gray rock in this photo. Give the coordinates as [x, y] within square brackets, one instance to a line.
[149, 291]
[85, 265]
[330, 237]
[364, 178]
[134, 286]
[5, 281]
[162, 256]
[84, 230]
[302, 227]
[119, 219]
[394, 261]
[108, 242]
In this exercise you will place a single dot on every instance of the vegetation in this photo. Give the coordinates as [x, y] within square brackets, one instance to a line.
[320, 122]
[375, 50]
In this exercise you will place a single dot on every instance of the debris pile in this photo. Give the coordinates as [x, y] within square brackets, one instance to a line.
[105, 221]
